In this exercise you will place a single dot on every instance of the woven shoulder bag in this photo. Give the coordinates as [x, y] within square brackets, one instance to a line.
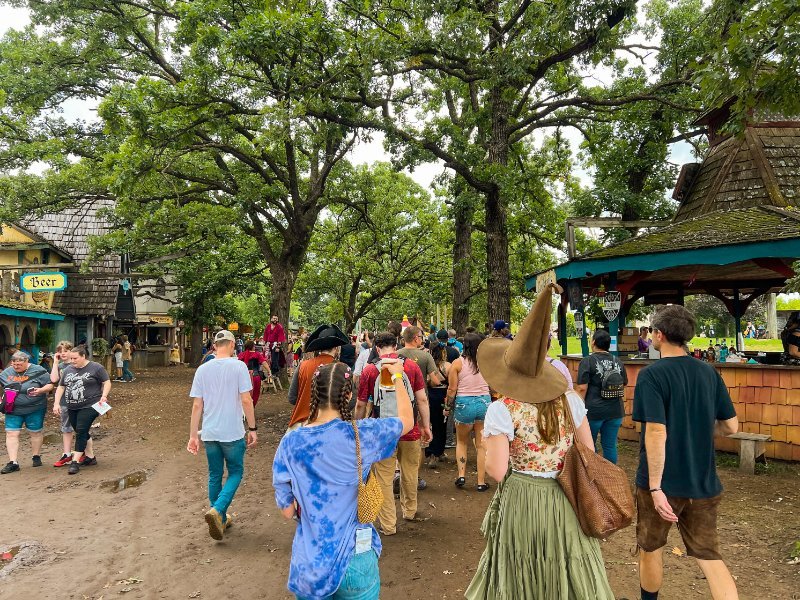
[370, 496]
[597, 489]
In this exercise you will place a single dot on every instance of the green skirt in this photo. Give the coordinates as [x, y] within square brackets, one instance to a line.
[535, 549]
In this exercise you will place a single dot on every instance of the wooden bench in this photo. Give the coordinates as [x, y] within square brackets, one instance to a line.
[271, 382]
[751, 448]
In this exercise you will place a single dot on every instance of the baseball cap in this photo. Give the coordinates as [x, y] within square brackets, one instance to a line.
[442, 334]
[499, 325]
[224, 335]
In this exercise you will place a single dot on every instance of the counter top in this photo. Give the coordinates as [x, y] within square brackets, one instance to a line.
[647, 361]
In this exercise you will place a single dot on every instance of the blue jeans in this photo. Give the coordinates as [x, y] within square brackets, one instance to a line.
[220, 454]
[362, 581]
[608, 430]
[127, 375]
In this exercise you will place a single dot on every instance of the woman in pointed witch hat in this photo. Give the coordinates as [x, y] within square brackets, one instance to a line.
[325, 342]
[534, 544]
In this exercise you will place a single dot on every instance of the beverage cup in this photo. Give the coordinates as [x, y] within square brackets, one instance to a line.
[11, 396]
[386, 377]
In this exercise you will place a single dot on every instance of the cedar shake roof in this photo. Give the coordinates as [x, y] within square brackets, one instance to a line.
[9, 303]
[71, 229]
[760, 168]
[723, 228]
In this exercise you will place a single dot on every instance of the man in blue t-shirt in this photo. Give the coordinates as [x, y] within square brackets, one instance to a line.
[221, 395]
[682, 403]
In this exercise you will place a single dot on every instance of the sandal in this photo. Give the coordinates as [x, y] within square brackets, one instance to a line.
[482, 487]
[461, 482]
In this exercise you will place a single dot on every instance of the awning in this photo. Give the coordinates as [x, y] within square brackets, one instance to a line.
[30, 314]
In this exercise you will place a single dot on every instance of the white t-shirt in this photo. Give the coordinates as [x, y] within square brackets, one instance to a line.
[498, 422]
[361, 361]
[219, 383]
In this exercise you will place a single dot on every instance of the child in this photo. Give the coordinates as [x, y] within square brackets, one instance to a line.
[174, 356]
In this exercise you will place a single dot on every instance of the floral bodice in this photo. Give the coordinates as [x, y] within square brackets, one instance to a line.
[528, 452]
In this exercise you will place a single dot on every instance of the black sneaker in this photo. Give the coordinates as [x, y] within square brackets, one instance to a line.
[74, 467]
[11, 467]
[37, 460]
[396, 485]
[88, 462]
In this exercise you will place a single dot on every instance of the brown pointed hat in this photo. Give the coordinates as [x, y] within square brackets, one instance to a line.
[518, 368]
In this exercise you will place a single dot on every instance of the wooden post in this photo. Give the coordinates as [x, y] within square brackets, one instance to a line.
[562, 322]
[737, 319]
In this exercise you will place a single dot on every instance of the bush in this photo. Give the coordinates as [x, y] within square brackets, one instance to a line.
[44, 338]
[99, 347]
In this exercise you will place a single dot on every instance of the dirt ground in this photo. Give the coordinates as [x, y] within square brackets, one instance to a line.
[83, 538]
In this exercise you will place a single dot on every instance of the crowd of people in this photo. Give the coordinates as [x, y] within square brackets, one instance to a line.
[363, 423]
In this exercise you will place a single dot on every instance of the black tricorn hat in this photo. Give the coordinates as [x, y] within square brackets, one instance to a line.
[326, 337]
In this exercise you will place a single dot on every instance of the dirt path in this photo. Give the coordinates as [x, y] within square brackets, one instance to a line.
[150, 541]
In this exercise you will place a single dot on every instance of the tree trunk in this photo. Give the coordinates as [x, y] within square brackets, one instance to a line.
[498, 279]
[196, 341]
[283, 279]
[462, 269]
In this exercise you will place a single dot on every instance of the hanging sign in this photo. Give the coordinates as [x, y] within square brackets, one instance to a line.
[126, 285]
[543, 279]
[579, 323]
[55, 281]
[612, 302]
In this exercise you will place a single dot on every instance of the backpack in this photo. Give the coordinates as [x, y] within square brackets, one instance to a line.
[612, 385]
[384, 400]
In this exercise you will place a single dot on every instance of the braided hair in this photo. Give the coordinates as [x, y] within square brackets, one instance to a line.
[331, 387]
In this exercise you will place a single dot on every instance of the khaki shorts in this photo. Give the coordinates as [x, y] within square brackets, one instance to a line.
[697, 523]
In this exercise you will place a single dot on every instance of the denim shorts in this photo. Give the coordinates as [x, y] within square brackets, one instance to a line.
[471, 408]
[34, 422]
[362, 580]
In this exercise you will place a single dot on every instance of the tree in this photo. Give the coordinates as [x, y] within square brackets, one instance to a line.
[466, 84]
[201, 102]
[396, 241]
[756, 61]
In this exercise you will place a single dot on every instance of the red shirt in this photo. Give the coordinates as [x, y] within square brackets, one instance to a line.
[274, 333]
[366, 387]
[247, 355]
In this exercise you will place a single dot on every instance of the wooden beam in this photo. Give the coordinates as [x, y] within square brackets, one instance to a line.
[775, 264]
[613, 222]
[36, 267]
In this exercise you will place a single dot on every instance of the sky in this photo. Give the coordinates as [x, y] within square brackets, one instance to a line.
[364, 152]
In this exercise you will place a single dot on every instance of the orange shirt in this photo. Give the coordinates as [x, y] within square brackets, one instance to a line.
[304, 375]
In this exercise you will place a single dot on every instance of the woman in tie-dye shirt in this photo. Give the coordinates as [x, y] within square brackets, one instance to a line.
[333, 555]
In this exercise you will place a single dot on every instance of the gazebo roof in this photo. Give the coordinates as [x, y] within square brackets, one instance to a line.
[723, 228]
[759, 168]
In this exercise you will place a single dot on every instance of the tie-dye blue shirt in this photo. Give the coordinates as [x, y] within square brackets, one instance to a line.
[316, 467]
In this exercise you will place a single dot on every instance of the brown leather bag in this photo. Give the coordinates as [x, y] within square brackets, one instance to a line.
[597, 489]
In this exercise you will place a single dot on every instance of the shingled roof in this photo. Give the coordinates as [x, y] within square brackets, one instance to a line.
[723, 228]
[71, 229]
[759, 168]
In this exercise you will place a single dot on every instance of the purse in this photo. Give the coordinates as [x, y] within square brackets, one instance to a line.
[597, 489]
[370, 495]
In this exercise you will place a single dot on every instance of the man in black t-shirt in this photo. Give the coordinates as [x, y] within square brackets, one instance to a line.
[604, 407]
[682, 403]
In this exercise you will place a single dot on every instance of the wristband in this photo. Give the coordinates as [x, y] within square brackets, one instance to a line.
[253, 428]
[396, 376]
[655, 490]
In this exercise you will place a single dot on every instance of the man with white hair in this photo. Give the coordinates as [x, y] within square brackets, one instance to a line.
[26, 386]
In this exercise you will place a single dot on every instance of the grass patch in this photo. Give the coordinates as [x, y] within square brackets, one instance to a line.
[729, 461]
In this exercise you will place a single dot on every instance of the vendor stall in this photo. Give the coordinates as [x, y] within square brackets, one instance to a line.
[735, 236]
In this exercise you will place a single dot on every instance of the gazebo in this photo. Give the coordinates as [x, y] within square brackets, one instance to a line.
[735, 236]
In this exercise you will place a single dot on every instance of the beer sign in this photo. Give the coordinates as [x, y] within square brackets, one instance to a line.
[579, 323]
[43, 282]
[612, 302]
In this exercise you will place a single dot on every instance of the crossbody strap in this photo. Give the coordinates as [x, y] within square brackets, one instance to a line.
[358, 453]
